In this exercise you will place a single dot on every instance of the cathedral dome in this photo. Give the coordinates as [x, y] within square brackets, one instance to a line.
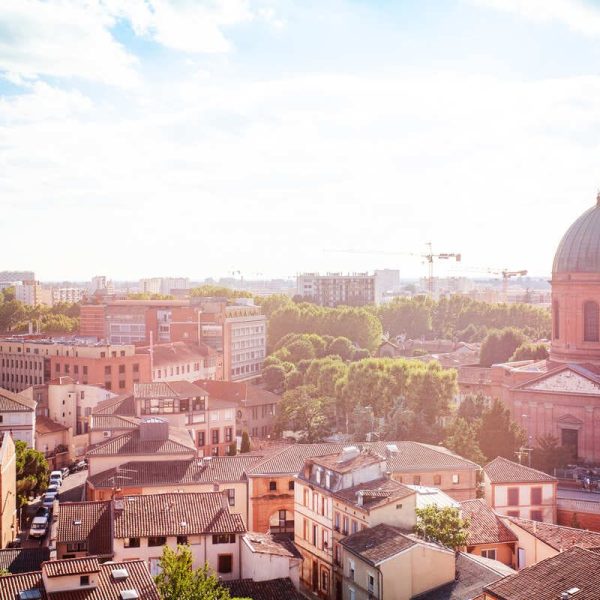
[579, 249]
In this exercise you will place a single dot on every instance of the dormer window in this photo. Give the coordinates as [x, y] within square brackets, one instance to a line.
[84, 580]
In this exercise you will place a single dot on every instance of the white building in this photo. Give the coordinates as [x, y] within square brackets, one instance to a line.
[70, 295]
[17, 416]
[32, 293]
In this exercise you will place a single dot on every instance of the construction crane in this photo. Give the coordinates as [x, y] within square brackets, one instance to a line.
[429, 257]
[506, 276]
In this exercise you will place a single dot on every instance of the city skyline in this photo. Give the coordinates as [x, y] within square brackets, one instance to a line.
[254, 136]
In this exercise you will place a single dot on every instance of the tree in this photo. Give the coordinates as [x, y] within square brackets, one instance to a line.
[300, 350]
[301, 410]
[472, 407]
[274, 377]
[443, 525]
[463, 439]
[549, 455]
[32, 472]
[232, 449]
[178, 581]
[343, 347]
[527, 351]
[245, 445]
[500, 345]
[218, 291]
[498, 434]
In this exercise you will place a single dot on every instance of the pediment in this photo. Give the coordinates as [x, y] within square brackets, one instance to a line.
[569, 420]
[566, 381]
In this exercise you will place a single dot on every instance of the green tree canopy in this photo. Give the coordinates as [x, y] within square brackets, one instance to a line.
[443, 525]
[32, 472]
[528, 351]
[498, 434]
[500, 345]
[463, 439]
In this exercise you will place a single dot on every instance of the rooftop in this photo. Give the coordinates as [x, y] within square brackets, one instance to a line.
[340, 463]
[175, 514]
[112, 422]
[263, 590]
[108, 588]
[129, 444]
[10, 402]
[558, 537]
[239, 392]
[123, 406]
[274, 544]
[548, 579]
[176, 472]
[485, 527]
[23, 560]
[374, 545]
[502, 470]
[72, 566]
[45, 425]
[374, 493]
[171, 389]
[86, 521]
[166, 354]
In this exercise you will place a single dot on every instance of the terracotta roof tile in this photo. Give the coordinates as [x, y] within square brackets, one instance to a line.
[10, 402]
[557, 536]
[175, 514]
[502, 470]
[46, 425]
[128, 444]
[23, 560]
[175, 472]
[113, 422]
[374, 493]
[91, 521]
[548, 579]
[485, 527]
[263, 590]
[170, 389]
[274, 544]
[12, 585]
[71, 566]
[123, 406]
[376, 544]
[335, 463]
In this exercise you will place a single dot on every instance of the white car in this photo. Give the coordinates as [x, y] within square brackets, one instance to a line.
[56, 477]
[48, 500]
[38, 528]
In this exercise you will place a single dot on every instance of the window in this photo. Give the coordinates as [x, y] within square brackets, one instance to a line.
[306, 497]
[215, 436]
[590, 321]
[224, 538]
[121, 369]
[107, 370]
[136, 368]
[354, 526]
[85, 369]
[77, 547]
[131, 543]
[182, 540]
[315, 530]
[489, 553]
[536, 495]
[291, 485]
[325, 539]
[345, 528]
[337, 521]
[536, 515]
[201, 439]
[513, 513]
[351, 594]
[351, 570]
[228, 434]
[230, 496]
[455, 478]
[84, 580]
[417, 480]
[513, 496]
[225, 563]
[157, 541]
[556, 315]
[437, 480]
[325, 580]
[370, 584]
[305, 530]
[272, 486]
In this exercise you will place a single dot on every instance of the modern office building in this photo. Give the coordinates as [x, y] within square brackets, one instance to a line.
[334, 289]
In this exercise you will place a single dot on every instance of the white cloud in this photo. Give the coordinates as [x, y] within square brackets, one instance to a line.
[63, 38]
[575, 14]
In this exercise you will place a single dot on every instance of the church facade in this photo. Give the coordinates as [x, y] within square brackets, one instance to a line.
[560, 396]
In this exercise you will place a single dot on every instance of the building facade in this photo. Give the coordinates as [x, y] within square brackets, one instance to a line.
[335, 289]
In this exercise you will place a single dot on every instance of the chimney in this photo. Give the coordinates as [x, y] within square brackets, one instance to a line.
[348, 453]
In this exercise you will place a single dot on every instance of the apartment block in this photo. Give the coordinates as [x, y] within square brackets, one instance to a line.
[334, 289]
[33, 294]
[69, 295]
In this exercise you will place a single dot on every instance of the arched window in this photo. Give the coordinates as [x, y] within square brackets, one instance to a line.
[556, 316]
[590, 321]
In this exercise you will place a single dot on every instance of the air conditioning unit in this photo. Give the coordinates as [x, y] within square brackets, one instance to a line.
[106, 434]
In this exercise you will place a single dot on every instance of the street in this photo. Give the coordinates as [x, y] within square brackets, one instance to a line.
[70, 491]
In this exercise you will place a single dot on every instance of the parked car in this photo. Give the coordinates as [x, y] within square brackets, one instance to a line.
[16, 543]
[56, 477]
[42, 511]
[48, 500]
[65, 471]
[52, 489]
[39, 527]
[79, 466]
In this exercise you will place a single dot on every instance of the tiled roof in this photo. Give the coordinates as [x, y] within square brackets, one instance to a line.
[128, 444]
[23, 560]
[485, 527]
[270, 543]
[112, 422]
[374, 493]
[123, 406]
[379, 543]
[410, 457]
[557, 536]
[91, 521]
[46, 425]
[175, 514]
[12, 585]
[242, 393]
[72, 566]
[10, 402]
[171, 389]
[472, 574]
[175, 472]
[263, 590]
[548, 579]
[502, 470]
[176, 352]
[335, 463]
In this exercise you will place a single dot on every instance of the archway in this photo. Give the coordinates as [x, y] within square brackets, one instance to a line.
[281, 521]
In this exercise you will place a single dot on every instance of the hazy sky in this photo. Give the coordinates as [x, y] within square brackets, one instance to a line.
[157, 137]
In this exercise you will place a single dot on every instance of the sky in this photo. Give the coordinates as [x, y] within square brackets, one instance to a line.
[269, 137]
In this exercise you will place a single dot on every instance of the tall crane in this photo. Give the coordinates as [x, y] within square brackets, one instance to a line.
[506, 275]
[429, 257]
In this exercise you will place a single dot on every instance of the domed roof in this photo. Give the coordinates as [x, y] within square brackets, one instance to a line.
[579, 249]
